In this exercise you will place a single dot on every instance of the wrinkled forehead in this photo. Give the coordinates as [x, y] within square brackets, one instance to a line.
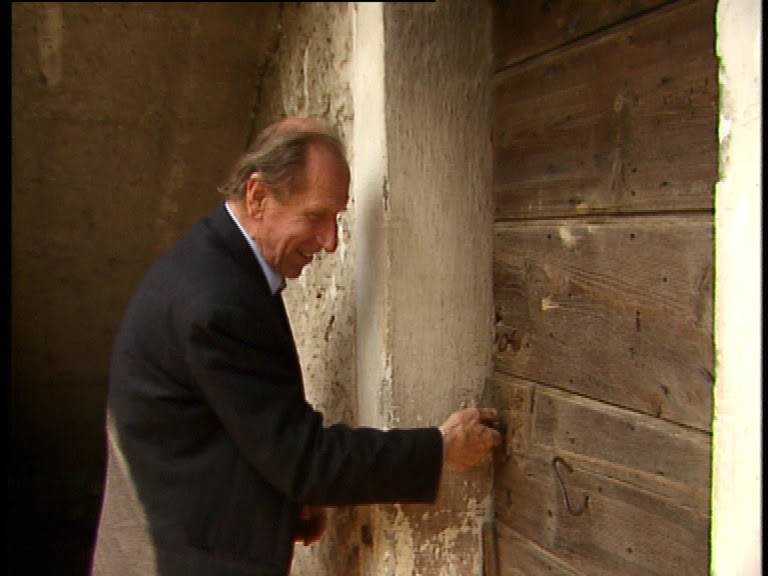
[323, 160]
[326, 178]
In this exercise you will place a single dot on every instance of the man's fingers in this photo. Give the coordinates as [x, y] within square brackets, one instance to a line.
[488, 435]
[487, 414]
[489, 418]
[495, 436]
[469, 435]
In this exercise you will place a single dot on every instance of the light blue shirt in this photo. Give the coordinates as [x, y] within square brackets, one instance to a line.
[274, 279]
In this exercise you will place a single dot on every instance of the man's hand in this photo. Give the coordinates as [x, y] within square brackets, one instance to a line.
[311, 525]
[467, 440]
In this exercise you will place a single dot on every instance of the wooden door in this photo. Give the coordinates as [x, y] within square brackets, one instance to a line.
[605, 160]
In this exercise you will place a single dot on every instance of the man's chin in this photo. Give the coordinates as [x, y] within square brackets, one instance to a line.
[295, 272]
[296, 266]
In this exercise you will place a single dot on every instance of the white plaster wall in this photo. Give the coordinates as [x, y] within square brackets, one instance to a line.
[737, 500]
[424, 231]
[370, 189]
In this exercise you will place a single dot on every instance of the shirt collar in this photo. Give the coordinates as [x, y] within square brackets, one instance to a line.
[275, 280]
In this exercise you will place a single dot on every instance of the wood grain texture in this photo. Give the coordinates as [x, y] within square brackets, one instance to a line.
[605, 160]
[624, 121]
[624, 529]
[521, 557]
[523, 30]
[651, 454]
[618, 310]
[645, 482]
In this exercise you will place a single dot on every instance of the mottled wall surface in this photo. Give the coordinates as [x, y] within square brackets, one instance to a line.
[125, 118]
[433, 293]
[307, 74]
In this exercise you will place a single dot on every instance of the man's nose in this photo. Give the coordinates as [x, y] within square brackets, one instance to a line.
[328, 236]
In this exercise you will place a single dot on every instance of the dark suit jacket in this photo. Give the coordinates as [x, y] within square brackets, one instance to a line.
[212, 444]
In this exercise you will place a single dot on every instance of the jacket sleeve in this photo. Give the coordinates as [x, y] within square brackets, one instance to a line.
[247, 370]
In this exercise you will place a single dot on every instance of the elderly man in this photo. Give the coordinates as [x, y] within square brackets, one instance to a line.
[217, 464]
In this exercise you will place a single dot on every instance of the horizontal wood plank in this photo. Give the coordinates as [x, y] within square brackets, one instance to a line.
[624, 529]
[520, 557]
[618, 310]
[524, 29]
[622, 122]
[653, 455]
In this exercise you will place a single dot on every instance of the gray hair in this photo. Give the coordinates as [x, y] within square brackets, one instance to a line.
[279, 155]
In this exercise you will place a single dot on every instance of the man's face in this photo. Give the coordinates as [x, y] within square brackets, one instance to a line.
[306, 222]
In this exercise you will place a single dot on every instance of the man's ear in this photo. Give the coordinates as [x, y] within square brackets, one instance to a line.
[255, 194]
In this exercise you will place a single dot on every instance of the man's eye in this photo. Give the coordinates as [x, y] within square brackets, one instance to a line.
[315, 216]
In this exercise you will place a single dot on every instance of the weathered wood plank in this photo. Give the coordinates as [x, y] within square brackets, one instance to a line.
[521, 557]
[525, 29]
[623, 530]
[618, 310]
[639, 450]
[624, 121]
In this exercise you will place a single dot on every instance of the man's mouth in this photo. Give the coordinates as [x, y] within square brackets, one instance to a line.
[307, 256]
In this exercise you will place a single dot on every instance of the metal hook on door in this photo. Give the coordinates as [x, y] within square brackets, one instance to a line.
[583, 507]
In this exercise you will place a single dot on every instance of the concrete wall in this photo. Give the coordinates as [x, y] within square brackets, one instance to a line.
[125, 118]
[737, 426]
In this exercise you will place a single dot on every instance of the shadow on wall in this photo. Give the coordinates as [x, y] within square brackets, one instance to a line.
[53, 507]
